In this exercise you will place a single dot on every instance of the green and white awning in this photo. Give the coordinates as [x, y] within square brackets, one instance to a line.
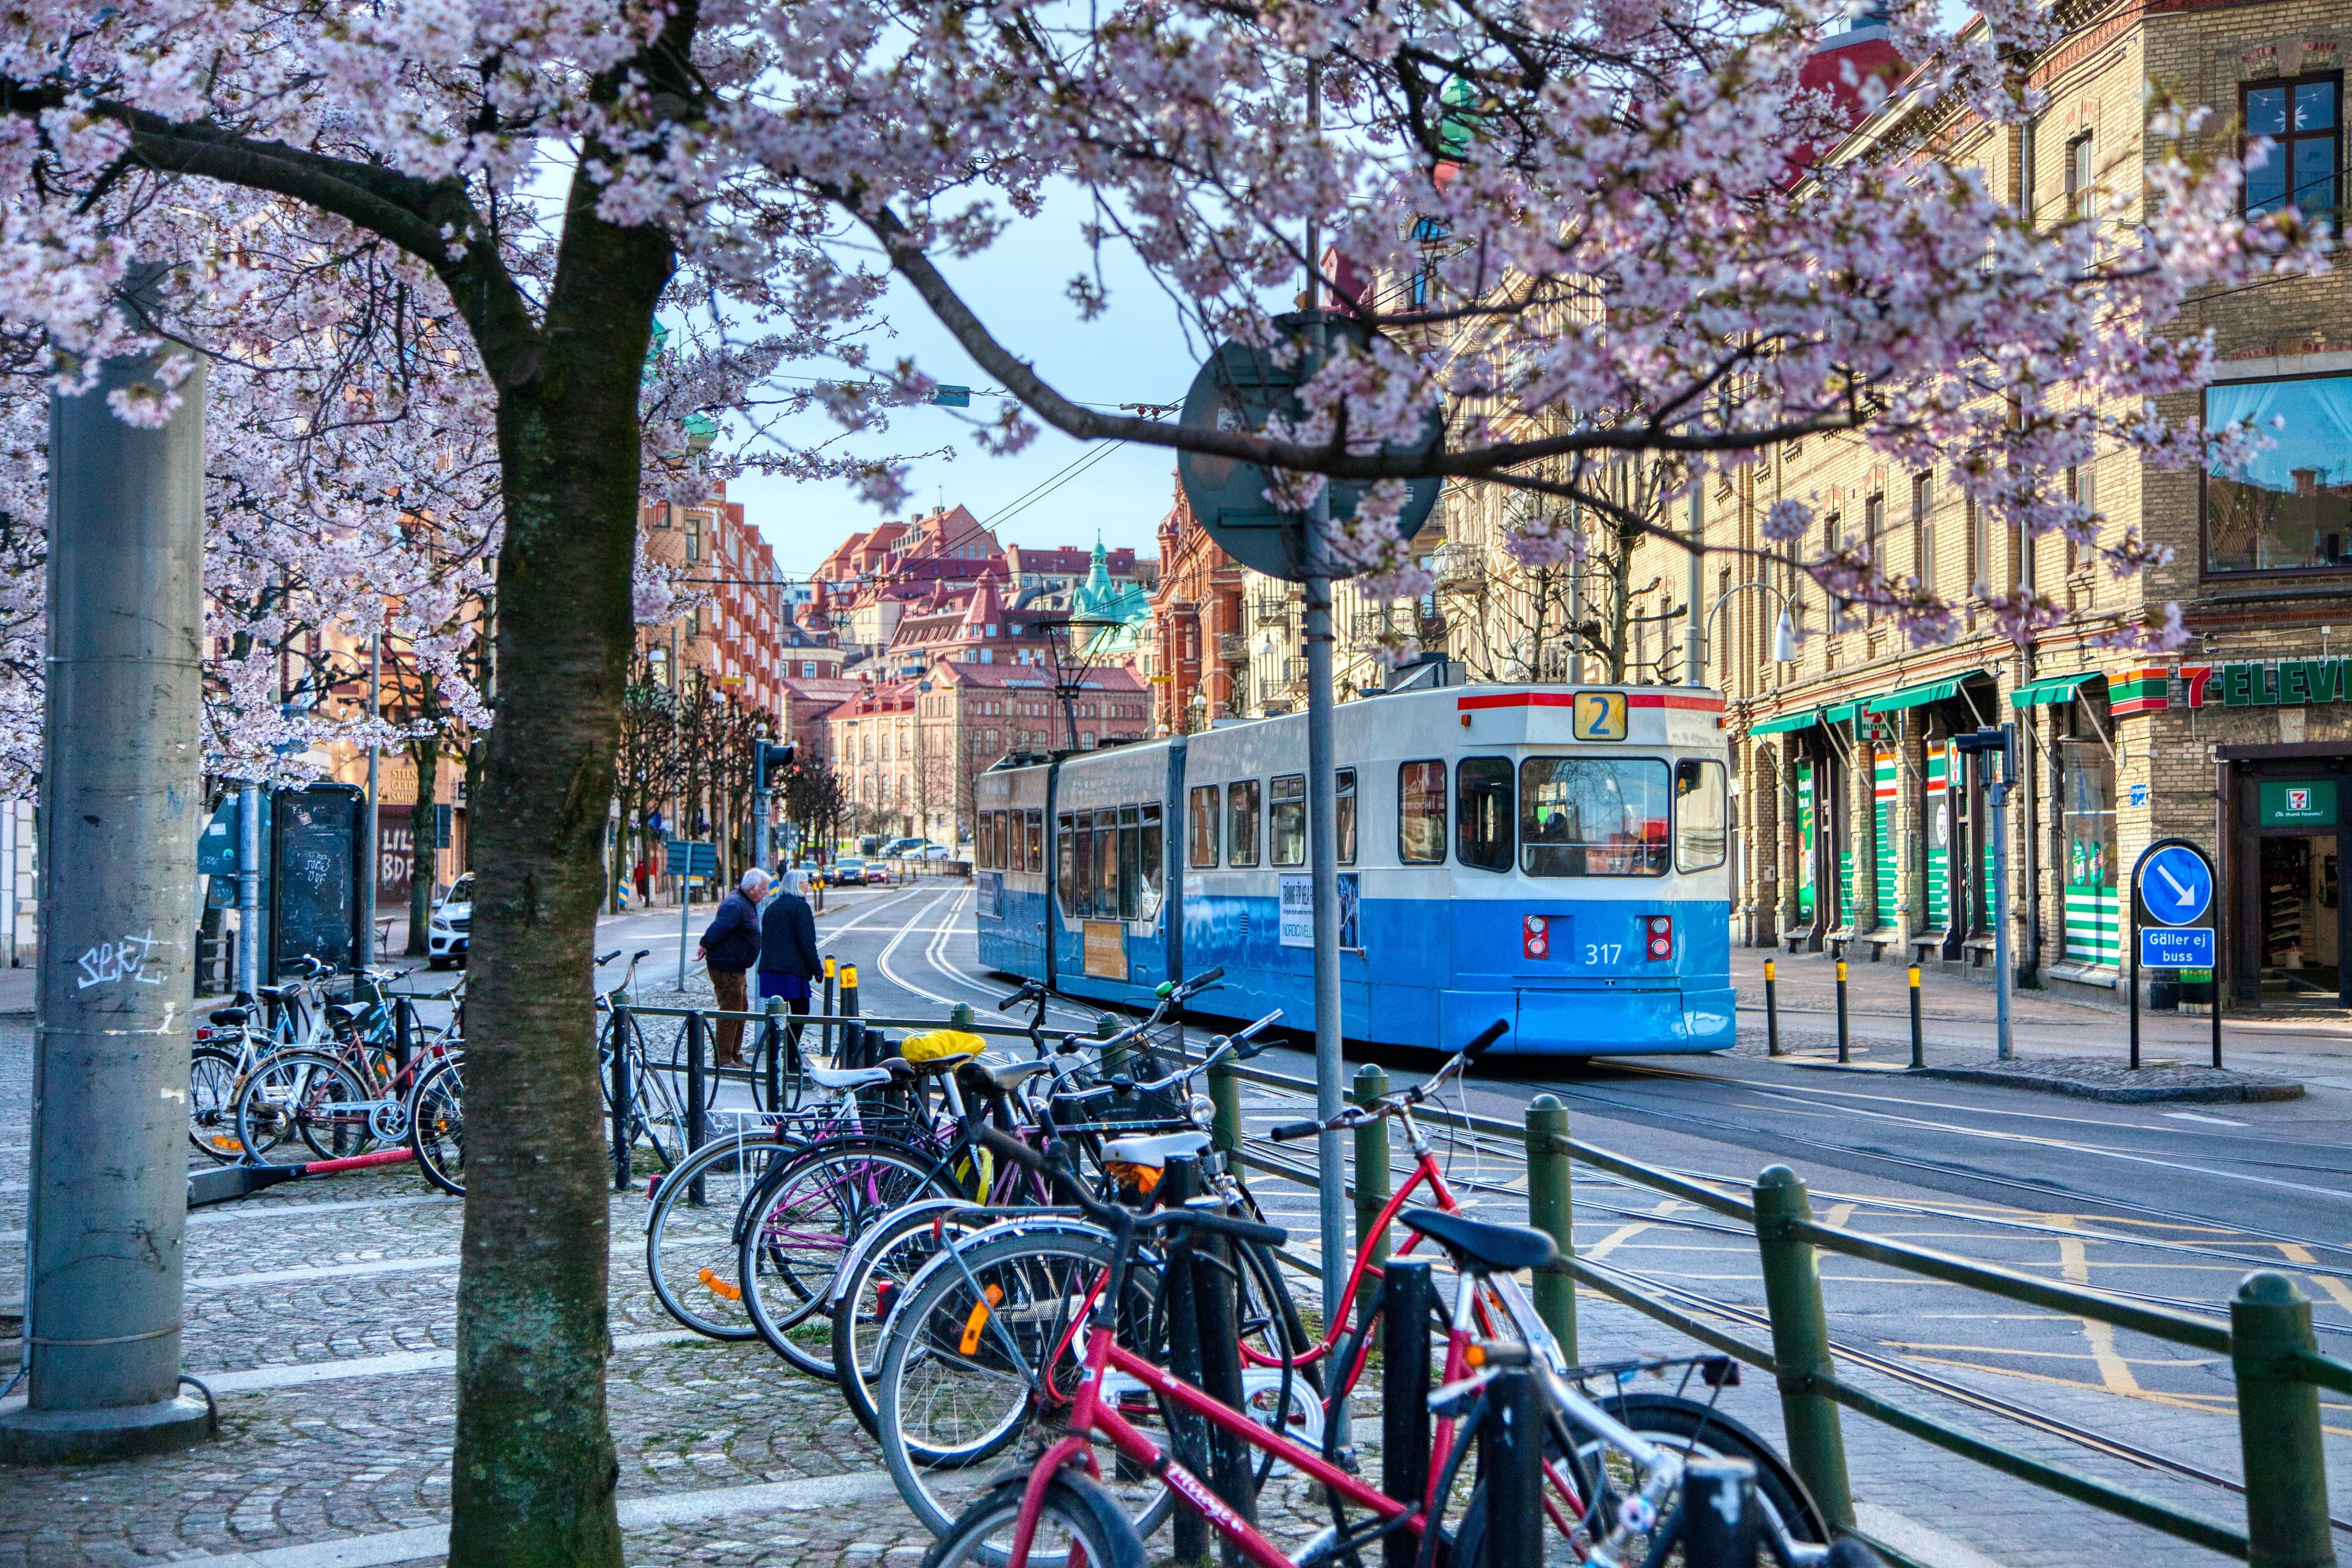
[1921, 695]
[2057, 689]
[1788, 723]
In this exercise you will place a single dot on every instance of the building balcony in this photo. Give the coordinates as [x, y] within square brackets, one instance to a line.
[1270, 610]
[1233, 647]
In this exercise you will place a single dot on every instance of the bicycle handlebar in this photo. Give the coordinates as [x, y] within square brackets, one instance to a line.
[1388, 1104]
[608, 958]
[1030, 990]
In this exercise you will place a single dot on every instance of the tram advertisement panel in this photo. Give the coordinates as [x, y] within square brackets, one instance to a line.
[1298, 913]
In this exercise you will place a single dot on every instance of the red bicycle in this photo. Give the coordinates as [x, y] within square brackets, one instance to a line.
[1611, 1491]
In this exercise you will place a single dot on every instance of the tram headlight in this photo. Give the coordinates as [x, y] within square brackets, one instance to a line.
[1659, 931]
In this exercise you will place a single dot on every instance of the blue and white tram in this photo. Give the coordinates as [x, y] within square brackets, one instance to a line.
[1556, 858]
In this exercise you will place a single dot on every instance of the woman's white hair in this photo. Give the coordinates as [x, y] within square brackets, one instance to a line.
[796, 884]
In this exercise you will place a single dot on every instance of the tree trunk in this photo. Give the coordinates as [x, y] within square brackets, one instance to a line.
[534, 1477]
[423, 842]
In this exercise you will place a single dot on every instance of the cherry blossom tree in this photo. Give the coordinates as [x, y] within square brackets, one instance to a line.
[460, 217]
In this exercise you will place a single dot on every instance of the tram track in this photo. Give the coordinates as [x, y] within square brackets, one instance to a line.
[1748, 1133]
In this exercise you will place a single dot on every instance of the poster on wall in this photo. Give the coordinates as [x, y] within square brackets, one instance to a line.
[1298, 913]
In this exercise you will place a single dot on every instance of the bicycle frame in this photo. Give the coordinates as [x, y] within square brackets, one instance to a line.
[1092, 1414]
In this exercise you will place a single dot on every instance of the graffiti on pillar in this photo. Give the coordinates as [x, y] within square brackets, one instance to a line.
[111, 962]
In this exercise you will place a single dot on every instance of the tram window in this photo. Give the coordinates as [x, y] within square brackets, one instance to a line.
[1130, 863]
[1106, 864]
[1699, 836]
[1036, 835]
[1204, 850]
[1482, 816]
[1241, 822]
[983, 841]
[1421, 814]
[1343, 814]
[1596, 817]
[1065, 866]
[1286, 819]
[1147, 862]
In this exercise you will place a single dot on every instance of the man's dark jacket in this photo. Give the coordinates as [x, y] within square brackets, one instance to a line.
[732, 939]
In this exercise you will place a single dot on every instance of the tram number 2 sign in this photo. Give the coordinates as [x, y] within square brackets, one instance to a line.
[1598, 716]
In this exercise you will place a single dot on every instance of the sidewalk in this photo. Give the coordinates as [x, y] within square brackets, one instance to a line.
[1957, 1022]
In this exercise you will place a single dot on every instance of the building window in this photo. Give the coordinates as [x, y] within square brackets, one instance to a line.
[1241, 823]
[1202, 850]
[2082, 196]
[2088, 792]
[2083, 489]
[2289, 509]
[1286, 819]
[1421, 814]
[1980, 521]
[2300, 168]
[693, 537]
[1923, 528]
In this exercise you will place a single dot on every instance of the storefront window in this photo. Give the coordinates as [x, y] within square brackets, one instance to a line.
[1421, 813]
[1806, 826]
[2093, 907]
[2288, 509]
[1583, 816]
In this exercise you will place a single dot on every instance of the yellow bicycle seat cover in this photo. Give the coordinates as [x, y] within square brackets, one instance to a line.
[936, 1044]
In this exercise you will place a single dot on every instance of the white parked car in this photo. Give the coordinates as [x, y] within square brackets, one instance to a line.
[452, 923]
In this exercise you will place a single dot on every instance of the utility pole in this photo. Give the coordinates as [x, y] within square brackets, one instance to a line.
[371, 850]
[1322, 831]
[1695, 655]
[122, 807]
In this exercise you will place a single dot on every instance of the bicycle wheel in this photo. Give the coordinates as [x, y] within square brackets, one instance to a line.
[211, 1103]
[873, 1279]
[1077, 1513]
[436, 1125]
[802, 1219]
[987, 1350]
[691, 1255]
[1686, 1426]
[304, 1094]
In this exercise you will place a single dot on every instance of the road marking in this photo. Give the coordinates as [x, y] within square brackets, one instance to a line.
[294, 1374]
[2193, 1116]
[900, 981]
[661, 1508]
[319, 1272]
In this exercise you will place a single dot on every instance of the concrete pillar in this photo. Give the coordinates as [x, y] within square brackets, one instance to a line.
[122, 807]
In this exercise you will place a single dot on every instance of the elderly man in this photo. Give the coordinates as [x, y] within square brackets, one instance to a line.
[731, 945]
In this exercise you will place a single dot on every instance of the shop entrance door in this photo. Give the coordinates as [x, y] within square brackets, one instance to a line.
[2300, 940]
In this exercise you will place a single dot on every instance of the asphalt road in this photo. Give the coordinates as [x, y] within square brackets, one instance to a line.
[2171, 1203]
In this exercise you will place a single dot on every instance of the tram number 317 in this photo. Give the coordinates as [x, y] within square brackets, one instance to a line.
[1603, 951]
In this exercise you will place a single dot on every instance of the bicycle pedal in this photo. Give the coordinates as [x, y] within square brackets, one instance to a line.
[1345, 1460]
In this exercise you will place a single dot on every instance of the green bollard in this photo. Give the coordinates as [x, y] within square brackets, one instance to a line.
[1226, 1127]
[1550, 1209]
[1372, 1166]
[2278, 1425]
[1113, 1061]
[1801, 1342]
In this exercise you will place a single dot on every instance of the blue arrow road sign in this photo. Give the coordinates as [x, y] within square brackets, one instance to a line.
[2175, 887]
[2173, 947]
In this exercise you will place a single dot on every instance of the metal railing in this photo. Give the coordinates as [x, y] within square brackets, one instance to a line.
[2269, 1340]
[2272, 1351]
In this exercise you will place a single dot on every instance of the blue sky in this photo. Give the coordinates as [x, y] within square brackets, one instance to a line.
[1135, 351]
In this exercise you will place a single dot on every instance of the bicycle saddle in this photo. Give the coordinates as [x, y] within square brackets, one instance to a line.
[229, 1017]
[1011, 1075]
[848, 1077]
[339, 1014]
[1494, 1248]
[938, 1064]
[1153, 1151]
[274, 992]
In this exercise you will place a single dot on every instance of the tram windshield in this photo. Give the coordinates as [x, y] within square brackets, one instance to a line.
[1593, 816]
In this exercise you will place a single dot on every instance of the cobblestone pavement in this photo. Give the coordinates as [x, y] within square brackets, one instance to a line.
[323, 1313]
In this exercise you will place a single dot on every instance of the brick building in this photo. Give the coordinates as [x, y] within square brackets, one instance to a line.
[736, 636]
[1858, 827]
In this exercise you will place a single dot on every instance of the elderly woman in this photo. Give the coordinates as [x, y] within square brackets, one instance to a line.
[788, 955]
[731, 945]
